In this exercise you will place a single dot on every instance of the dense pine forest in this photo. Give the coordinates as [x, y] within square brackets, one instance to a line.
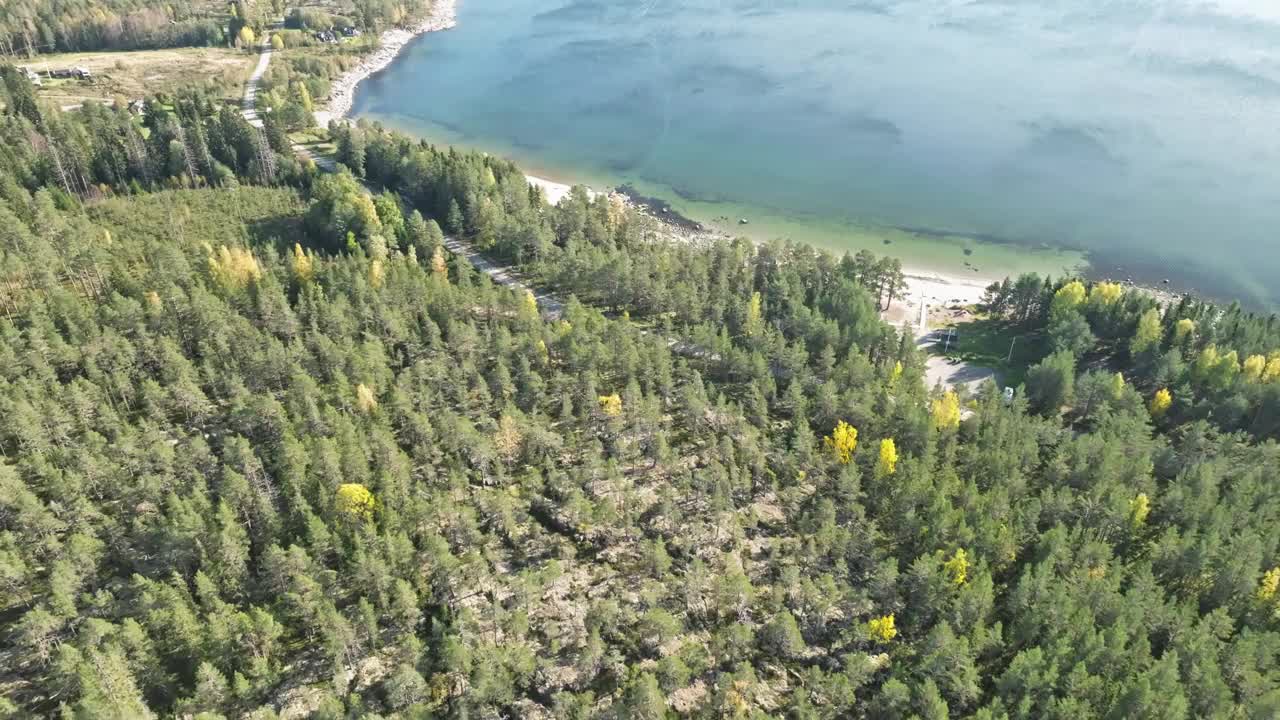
[268, 449]
[33, 27]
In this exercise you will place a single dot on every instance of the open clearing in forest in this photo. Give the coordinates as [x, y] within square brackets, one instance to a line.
[987, 344]
[135, 74]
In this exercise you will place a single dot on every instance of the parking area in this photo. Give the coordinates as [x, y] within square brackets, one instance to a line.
[950, 372]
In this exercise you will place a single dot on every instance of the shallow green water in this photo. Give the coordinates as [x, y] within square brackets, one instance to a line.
[1142, 132]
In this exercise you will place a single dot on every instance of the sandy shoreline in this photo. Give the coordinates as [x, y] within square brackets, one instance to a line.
[552, 190]
[939, 289]
[443, 16]
[934, 289]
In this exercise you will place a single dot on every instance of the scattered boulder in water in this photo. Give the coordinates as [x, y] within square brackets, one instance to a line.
[743, 221]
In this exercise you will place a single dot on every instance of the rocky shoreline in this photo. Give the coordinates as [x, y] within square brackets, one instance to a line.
[659, 209]
[443, 16]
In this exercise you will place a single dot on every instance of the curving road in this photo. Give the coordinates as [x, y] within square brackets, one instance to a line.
[551, 306]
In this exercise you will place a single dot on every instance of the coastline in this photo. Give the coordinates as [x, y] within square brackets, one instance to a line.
[938, 291]
[926, 284]
[930, 287]
[443, 15]
[554, 191]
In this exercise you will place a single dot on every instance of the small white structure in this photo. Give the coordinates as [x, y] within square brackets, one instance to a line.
[1008, 395]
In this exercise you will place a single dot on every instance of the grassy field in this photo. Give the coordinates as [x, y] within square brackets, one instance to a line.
[131, 75]
[987, 343]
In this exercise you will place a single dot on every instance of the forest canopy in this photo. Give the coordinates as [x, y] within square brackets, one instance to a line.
[33, 27]
[267, 449]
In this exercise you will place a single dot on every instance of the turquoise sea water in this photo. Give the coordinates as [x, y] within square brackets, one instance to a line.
[1141, 131]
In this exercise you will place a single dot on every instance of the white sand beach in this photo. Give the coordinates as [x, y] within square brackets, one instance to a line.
[938, 289]
[554, 191]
